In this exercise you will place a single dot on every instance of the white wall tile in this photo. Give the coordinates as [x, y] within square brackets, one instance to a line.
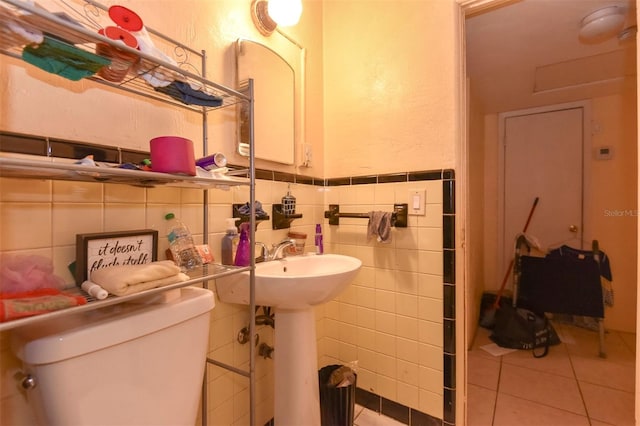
[125, 217]
[430, 379]
[386, 365]
[385, 343]
[408, 395]
[431, 403]
[407, 282]
[408, 350]
[367, 359]
[385, 279]
[407, 327]
[407, 372]
[430, 331]
[407, 304]
[385, 322]
[366, 297]
[71, 219]
[430, 285]
[430, 309]
[25, 226]
[430, 356]
[25, 190]
[76, 192]
[124, 194]
[386, 387]
[366, 318]
[386, 301]
[430, 262]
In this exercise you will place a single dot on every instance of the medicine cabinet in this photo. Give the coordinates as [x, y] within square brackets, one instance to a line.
[274, 106]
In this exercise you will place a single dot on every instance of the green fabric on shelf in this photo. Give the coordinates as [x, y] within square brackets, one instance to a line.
[64, 59]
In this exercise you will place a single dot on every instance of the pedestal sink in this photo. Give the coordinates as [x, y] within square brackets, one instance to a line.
[293, 286]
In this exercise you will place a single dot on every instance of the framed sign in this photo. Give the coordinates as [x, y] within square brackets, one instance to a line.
[101, 250]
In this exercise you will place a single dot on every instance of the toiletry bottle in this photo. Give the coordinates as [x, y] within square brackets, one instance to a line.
[319, 243]
[181, 244]
[244, 247]
[229, 243]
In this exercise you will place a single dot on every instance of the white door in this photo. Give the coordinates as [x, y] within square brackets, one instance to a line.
[543, 157]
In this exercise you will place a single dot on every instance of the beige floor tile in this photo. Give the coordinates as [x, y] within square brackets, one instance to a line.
[544, 388]
[598, 423]
[609, 405]
[370, 418]
[481, 339]
[483, 371]
[603, 372]
[587, 344]
[481, 405]
[629, 339]
[512, 411]
[556, 362]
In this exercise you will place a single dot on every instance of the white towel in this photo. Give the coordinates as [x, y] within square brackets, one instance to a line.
[379, 226]
[130, 279]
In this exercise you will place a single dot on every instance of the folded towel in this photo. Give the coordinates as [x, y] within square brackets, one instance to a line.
[26, 304]
[61, 58]
[131, 279]
[245, 209]
[379, 226]
[188, 95]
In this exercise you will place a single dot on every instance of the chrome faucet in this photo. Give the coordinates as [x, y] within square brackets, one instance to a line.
[264, 252]
[277, 251]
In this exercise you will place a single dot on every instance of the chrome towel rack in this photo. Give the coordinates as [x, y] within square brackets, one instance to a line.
[399, 216]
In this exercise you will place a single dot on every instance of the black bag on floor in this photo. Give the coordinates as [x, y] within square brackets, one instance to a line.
[519, 328]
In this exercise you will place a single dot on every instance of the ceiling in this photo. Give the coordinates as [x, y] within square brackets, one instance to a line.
[528, 53]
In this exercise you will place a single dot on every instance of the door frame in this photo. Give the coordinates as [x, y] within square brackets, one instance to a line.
[585, 105]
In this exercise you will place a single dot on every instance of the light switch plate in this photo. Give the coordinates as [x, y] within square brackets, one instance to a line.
[416, 201]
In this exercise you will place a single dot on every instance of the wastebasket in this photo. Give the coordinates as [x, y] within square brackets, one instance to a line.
[337, 404]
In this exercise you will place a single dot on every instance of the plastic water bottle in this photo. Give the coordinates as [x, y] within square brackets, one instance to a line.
[181, 244]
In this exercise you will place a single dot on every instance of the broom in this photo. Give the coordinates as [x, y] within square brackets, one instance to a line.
[488, 316]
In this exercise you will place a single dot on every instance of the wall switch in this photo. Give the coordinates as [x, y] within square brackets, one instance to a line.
[604, 153]
[417, 199]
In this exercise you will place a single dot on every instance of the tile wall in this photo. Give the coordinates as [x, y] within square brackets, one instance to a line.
[396, 319]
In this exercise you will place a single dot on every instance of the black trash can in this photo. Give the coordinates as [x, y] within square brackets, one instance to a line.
[337, 404]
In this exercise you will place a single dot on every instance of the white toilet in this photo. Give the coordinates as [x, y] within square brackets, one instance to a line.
[127, 364]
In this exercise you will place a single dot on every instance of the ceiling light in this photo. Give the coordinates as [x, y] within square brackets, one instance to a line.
[268, 14]
[602, 24]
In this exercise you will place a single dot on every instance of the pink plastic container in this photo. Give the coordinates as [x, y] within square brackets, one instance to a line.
[172, 154]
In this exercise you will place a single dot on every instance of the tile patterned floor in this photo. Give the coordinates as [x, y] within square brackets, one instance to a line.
[365, 417]
[571, 386]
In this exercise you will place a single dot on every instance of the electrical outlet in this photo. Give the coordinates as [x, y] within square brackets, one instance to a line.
[417, 200]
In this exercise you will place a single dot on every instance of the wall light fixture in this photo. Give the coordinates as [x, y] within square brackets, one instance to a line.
[268, 14]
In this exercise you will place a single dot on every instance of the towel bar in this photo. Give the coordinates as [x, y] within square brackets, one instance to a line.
[398, 216]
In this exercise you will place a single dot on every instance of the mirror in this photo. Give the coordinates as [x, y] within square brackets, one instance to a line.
[274, 102]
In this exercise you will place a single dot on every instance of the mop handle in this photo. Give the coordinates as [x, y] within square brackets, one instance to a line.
[496, 304]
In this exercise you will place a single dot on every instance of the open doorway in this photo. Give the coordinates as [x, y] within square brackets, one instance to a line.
[609, 212]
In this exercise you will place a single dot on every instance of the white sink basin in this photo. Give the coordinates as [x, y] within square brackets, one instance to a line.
[295, 282]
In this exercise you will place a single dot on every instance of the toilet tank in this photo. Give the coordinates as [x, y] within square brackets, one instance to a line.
[136, 363]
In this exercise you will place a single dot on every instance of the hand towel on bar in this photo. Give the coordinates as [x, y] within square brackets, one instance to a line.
[130, 279]
[379, 226]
